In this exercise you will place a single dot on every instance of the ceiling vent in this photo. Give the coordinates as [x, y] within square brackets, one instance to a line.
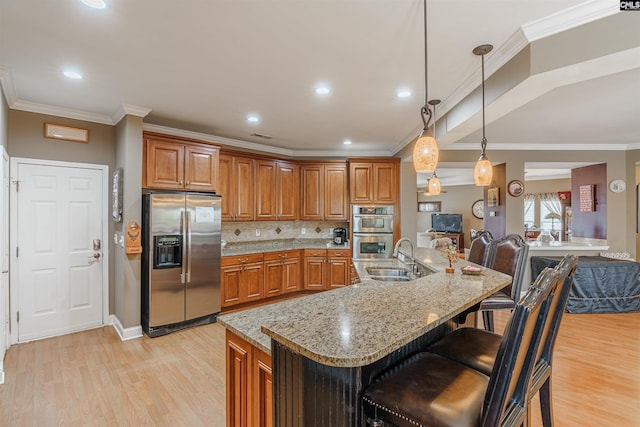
[261, 135]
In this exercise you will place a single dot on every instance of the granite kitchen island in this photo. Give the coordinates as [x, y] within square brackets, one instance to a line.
[323, 349]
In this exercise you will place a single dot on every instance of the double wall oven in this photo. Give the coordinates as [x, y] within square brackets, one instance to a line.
[372, 231]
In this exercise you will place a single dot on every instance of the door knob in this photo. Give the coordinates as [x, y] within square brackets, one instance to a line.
[95, 257]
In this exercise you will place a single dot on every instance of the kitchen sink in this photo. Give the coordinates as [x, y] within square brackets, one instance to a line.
[398, 274]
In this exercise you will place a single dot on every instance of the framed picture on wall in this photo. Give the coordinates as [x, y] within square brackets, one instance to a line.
[429, 206]
[493, 197]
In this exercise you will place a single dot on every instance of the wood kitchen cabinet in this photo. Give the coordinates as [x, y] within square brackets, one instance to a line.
[249, 384]
[374, 181]
[236, 175]
[174, 164]
[326, 269]
[323, 192]
[282, 272]
[241, 279]
[276, 191]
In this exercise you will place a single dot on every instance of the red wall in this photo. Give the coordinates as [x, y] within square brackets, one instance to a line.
[589, 224]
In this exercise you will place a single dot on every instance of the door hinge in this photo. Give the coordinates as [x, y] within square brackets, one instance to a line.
[18, 317]
[17, 252]
[17, 183]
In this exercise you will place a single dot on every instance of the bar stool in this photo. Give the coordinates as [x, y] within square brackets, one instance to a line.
[430, 390]
[510, 258]
[482, 250]
[478, 349]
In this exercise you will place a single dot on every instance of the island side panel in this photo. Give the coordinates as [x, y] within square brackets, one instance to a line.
[307, 393]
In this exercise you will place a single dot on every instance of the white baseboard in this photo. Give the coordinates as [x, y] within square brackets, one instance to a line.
[128, 333]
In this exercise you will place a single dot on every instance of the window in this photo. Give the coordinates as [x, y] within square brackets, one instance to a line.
[543, 210]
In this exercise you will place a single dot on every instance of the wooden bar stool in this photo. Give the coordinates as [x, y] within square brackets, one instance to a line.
[431, 390]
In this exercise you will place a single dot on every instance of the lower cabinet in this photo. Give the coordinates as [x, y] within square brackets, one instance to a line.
[326, 268]
[282, 273]
[249, 384]
[241, 279]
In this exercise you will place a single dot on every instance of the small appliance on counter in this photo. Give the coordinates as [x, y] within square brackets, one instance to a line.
[340, 236]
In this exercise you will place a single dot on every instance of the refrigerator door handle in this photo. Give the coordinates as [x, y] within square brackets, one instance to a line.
[188, 215]
[183, 230]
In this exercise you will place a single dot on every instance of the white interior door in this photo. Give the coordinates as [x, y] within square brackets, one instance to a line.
[4, 258]
[59, 270]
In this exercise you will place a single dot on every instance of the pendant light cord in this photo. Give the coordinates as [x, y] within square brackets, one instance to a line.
[425, 112]
[484, 139]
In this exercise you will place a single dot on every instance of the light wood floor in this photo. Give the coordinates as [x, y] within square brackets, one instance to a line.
[92, 378]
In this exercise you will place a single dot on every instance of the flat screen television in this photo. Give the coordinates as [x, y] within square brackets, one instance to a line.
[447, 223]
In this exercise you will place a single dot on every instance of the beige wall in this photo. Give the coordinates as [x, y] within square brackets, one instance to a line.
[127, 280]
[26, 139]
[4, 119]
[620, 165]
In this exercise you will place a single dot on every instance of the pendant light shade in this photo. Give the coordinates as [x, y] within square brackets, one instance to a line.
[433, 185]
[483, 172]
[425, 151]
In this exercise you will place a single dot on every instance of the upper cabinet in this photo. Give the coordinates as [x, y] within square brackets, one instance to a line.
[276, 192]
[323, 192]
[374, 181]
[176, 164]
[236, 187]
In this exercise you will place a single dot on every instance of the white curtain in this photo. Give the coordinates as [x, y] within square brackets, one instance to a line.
[551, 202]
[529, 207]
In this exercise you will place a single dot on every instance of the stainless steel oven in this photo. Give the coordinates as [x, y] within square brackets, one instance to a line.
[372, 219]
[372, 231]
[372, 245]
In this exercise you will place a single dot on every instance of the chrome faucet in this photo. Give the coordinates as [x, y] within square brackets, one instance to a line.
[396, 249]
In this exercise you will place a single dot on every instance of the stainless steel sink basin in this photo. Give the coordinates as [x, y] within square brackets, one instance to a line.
[387, 271]
[398, 274]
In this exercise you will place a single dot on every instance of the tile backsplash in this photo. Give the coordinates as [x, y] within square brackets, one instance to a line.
[234, 232]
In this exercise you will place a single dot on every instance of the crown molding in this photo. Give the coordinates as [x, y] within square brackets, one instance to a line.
[570, 18]
[6, 80]
[129, 110]
[547, 146]
[50, 110]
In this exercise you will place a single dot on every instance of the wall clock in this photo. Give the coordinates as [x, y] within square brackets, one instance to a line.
[477, 209]
[617, 186]
[515, 188]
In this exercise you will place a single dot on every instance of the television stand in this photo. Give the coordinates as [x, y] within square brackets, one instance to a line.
[456, 238]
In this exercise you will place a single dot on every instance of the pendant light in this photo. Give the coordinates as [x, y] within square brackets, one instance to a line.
[425, 152]
[433, 184]
[483, 172]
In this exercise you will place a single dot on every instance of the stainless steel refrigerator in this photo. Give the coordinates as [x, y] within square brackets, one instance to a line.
[181, 260]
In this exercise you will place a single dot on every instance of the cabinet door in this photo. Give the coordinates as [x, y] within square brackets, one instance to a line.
[243, 185]
[225, 178]
[360, 182]
[338, 272]
[201, 168]
[273, 274]
[336, 199]
[165, 165]
[252, 280]
[262, 393]
[238, 376]
[292, 275]
[385, 183]
[265, 190]
[230, 278]
[314, 272]
[311, 194]
[288, 189]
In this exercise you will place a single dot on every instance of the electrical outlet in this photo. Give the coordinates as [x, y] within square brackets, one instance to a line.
[303, 231]
[122, 241]
[257, 232]
[331, 231]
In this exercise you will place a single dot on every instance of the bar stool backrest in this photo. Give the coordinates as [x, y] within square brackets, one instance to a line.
[481, 250]
[504, 402]
[510, 258]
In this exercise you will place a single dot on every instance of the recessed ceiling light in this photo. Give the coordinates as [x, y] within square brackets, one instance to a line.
[253, 118]
[96, 4]
[403, 93]
[72, 74]
[347, 142]
[322, 90]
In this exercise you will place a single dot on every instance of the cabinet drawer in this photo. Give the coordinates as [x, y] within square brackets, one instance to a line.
[315, 252]
[281, 255]
[240, 259]
[339, 253]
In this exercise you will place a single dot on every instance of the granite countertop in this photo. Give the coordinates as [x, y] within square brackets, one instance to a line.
[259, 246]
[359, 324]
[566, 246]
